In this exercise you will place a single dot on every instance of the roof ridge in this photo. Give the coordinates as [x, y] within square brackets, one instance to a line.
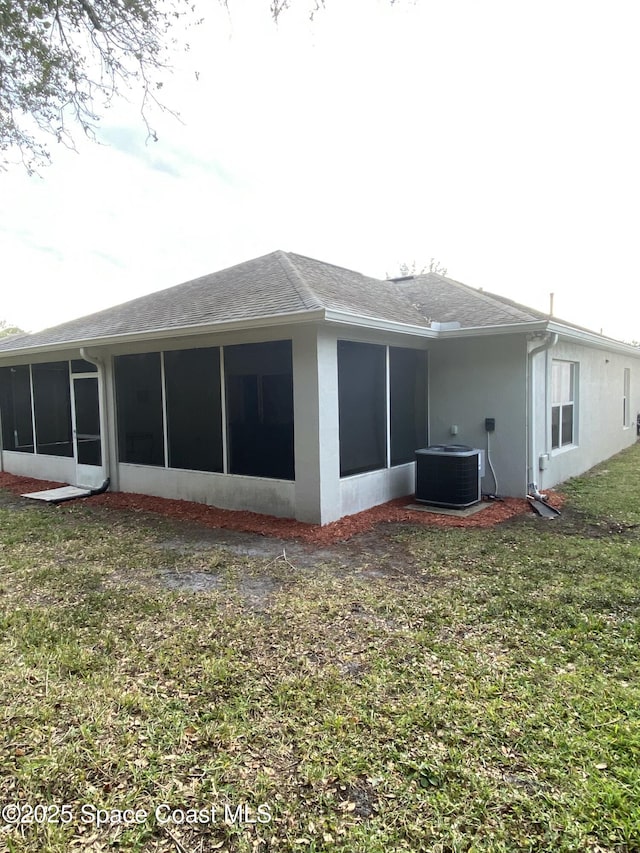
[300, 284]
[335, 266]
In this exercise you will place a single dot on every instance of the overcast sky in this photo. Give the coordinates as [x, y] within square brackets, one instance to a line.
[501, 138]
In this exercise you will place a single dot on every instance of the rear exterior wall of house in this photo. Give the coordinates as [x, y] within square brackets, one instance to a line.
[587, 400]
[317, 422]
[474, 378]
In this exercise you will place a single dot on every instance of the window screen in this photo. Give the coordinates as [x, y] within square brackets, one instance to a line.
[139, 404]
[52, 407]
[87, 403]
[408, 403]
[194, 414]
[15, 409]
[259, 380]
[362, 407]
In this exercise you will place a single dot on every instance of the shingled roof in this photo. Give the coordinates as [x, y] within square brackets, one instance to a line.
[281, 284]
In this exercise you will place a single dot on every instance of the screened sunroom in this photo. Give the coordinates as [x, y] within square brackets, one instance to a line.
[284, 426]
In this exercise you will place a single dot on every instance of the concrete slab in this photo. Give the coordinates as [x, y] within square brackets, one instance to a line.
[443, 510]
[63, 493]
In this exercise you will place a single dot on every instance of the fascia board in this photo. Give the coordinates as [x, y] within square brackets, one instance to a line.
[565, 333]
[171, 332]
[344, 318]
[592, 339]
[331, 316]
[503, 329]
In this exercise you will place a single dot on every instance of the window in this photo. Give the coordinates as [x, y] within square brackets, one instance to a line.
[362, 402]
[407, 403]
[52, 408]
[563, 402]
[259, 384]
[626, 402]
[139, 406]
[194, 413]
[15, 409]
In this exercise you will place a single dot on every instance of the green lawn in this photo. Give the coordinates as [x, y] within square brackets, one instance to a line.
[483, 696]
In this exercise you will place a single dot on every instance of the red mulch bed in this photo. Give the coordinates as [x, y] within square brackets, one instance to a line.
[287, 528]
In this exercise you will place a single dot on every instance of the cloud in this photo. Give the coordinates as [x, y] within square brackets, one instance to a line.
[496, 140]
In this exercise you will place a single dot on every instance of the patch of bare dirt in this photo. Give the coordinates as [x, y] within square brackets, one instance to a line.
[574, 522]
[359, 798]
[364, 540]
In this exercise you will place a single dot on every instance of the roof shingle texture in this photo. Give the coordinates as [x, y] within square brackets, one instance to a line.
[446, 300]
[284, 283]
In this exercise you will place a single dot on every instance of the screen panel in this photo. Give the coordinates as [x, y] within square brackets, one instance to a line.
[362, 407]
[87, 403]
[15, 409]
[139, 408]
[259, 382]
[408, 403]
[52, 407]
[194, 410]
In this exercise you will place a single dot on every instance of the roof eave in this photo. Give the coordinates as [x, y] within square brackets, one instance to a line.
[523, 327]
[593, 339]
[346, 318]
[333, 316]
[309, 316]
[566, 333]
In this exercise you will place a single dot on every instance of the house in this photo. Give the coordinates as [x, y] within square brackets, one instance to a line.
[293, 387]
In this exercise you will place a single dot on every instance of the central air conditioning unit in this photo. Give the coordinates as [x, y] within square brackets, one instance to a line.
[449, 475]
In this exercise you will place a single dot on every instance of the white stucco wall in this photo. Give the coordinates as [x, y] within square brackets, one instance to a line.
[315, 402]
[362, 491]
[60, 469]
[471, 379]
[599, 428]
[258, 494]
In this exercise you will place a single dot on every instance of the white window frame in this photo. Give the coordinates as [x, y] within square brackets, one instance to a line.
[570, 399]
